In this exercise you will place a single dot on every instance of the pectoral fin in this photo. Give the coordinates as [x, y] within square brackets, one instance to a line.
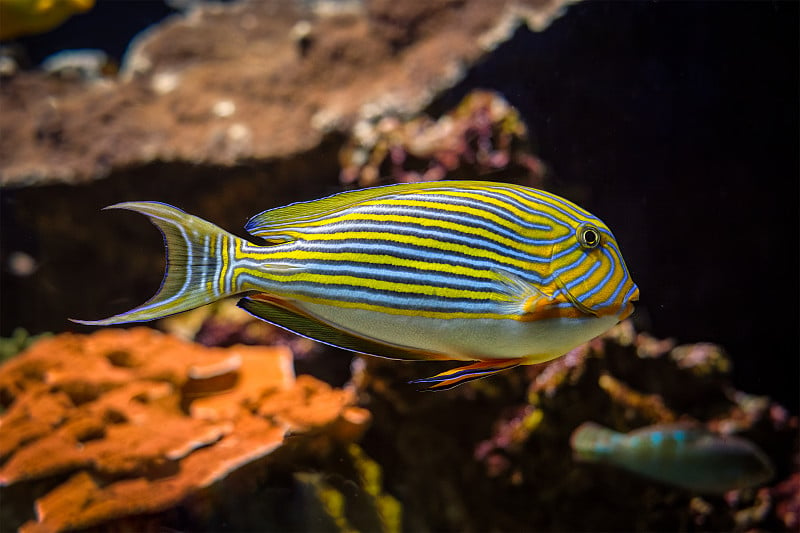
[462, 374]
[525, 298]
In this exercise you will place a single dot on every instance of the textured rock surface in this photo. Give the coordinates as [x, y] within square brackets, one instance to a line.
[118, 425]
[249, 81]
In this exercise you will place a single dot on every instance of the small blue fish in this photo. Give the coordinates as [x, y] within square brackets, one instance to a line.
[684, 455]
[494, 273]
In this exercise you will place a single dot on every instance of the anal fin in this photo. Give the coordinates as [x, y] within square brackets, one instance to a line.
[462, 374]
[283, 315]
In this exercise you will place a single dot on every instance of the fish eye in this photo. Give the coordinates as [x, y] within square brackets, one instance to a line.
[588, 236]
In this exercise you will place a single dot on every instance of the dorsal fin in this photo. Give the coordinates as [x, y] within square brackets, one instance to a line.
[273, 224]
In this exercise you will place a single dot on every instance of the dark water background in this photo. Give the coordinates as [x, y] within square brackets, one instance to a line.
[676, 123]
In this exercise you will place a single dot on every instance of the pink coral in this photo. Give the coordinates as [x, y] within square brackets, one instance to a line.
[483, 134]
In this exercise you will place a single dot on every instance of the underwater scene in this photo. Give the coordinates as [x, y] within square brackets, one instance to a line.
[384, 266]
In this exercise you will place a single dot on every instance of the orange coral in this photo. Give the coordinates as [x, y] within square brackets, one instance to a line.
[142, 420]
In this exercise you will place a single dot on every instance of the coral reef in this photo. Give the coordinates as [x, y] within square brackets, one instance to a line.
[499, 436]
[498, 454]
[231, 109]
[122, 425]
[139, 429]
[328, 497]
[225, 111]
[224, 324]
[481, 136]
[250, 81]
[786, 496]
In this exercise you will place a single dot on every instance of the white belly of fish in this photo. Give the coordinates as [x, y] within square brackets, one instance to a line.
[467, 339]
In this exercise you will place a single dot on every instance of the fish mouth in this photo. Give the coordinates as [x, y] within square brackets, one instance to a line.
[627, 308]
[628, 311]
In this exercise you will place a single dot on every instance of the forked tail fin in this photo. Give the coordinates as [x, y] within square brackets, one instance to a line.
[200, 261]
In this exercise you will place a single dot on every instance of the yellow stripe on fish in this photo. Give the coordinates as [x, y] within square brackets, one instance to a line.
[489, 272]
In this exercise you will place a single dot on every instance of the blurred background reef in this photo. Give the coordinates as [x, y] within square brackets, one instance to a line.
[674, 122]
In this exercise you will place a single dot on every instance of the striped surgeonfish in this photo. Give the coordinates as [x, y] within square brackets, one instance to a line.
[492, 273]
